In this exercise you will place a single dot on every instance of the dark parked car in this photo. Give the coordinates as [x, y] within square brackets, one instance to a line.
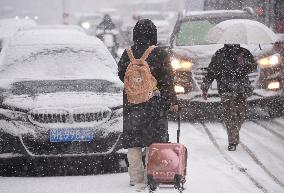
[191, 54]
[60, 103]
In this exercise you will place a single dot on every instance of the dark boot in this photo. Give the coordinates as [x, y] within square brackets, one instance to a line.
[232, 147]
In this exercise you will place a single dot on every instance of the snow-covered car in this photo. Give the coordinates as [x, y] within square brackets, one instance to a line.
[191, 54]
[60, 98]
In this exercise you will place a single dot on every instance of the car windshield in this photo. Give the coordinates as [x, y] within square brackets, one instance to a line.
[29, 63]
[194, 32]
[52, 86]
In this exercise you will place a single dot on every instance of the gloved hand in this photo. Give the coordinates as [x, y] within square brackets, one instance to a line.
[174, 108]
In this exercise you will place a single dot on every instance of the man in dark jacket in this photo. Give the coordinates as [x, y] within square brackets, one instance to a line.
[230, 67]
[146, 123]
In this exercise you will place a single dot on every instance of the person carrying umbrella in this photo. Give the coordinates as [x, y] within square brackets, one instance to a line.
[230, 67]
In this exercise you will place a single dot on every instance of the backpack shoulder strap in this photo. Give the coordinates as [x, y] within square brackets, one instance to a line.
[148, 52]
[130, 55]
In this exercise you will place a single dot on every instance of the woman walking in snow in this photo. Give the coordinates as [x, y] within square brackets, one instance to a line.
[146, 123]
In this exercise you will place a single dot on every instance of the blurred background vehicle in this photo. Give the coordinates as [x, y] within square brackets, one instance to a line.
[191, 53]
[269, 12]
[60, 103]
[89, 22]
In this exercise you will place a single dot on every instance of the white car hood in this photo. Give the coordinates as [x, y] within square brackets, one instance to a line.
[66, 100]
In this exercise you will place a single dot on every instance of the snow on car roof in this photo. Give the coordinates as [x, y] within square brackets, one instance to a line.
[56, 54]
[49, 36]
[197, 13]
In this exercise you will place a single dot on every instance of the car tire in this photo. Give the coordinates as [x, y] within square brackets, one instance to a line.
[113, 163]
[276, 108]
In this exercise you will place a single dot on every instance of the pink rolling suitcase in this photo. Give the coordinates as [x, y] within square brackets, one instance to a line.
[167, 164]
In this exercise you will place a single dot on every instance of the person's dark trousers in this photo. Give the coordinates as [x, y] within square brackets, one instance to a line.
[234, 114]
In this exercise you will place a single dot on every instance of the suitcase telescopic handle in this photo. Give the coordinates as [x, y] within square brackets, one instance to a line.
[178, 119]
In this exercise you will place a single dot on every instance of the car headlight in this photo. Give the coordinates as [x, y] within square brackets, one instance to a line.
[179, 89]
[273, 85]
[269, 61]
[86, 25]
[181, 64]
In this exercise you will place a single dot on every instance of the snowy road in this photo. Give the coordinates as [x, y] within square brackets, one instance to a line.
[256, 167]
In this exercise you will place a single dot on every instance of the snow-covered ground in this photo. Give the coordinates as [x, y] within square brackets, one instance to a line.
[256, 167]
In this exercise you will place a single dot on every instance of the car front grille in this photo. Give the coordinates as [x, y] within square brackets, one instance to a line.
[200, 73]
[89, 117]
[51, 116]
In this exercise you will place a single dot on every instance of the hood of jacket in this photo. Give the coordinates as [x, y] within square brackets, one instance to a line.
[145, 33]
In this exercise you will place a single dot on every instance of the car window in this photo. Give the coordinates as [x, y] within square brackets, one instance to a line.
[193, 33]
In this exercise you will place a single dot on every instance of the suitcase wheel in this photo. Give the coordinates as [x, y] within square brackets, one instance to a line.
[151, 184]
[179, 183]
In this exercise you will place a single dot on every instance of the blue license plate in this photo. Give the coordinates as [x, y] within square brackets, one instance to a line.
[71, 134]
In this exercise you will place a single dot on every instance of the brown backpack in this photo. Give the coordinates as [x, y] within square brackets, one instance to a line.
[139, 83]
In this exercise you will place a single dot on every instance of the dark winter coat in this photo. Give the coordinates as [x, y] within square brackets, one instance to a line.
[230, 67]
[146, 123]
